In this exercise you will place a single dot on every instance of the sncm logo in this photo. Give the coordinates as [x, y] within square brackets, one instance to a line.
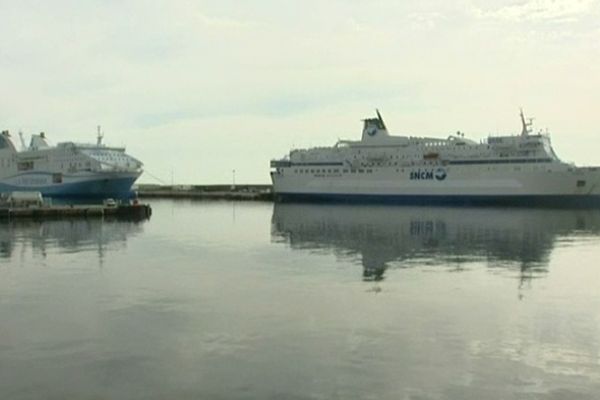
[428, 174]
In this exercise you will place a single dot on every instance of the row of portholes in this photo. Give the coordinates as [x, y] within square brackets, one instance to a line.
[333, 171]
[75, 165]
[398, 170]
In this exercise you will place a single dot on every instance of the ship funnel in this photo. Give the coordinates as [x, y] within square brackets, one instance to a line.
[38, 142]
[374, 128]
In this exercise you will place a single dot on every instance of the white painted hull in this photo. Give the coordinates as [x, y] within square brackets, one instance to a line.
[553, 180]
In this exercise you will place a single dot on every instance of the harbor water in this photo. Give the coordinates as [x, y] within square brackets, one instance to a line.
[252, 300]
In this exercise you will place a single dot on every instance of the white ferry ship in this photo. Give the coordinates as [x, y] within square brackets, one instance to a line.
[67, 169]
[500, 170]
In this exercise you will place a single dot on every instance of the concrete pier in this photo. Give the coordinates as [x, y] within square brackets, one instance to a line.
[133, 211]
[208, 192]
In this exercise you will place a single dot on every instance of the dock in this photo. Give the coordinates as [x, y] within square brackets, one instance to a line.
[120, 211]
[207, 192]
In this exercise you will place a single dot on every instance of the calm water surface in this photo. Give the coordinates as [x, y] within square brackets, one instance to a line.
[251, 300]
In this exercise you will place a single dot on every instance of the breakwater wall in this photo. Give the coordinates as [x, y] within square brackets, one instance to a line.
[207, 192]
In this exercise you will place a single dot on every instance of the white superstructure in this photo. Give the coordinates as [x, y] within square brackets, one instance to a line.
[521, 169]
[67, 169]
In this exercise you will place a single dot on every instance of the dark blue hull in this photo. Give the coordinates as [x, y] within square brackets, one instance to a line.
[550, 201]
[96, 188]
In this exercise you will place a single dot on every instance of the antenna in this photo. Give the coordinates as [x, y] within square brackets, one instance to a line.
[99, 137]
[22, 140]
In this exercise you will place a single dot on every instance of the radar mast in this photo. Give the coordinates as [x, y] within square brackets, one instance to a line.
[99, 137]
[381, 123]
[526, 124]
[23, 145]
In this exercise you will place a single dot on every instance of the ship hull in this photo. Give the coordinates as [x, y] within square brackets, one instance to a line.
[116, 185]
[553, 201]
[549, 186]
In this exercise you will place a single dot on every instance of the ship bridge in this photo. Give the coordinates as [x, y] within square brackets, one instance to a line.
[112, 158]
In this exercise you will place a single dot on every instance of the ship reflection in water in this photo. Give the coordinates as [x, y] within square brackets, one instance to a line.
[382, 237]
[20, 238]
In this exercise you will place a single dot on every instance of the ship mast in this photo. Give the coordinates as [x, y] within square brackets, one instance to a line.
[526, 125]
[381, 123]
[99, 137]
[23, 146]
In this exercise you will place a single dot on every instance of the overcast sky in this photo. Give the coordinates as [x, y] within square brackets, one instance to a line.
[204, 87]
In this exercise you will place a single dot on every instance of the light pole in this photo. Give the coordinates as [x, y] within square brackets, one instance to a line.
[233, 184]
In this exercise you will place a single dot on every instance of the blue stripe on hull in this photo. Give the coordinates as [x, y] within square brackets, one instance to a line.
[553, 201]
[97, 188]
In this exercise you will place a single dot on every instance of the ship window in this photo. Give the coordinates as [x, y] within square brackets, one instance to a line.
[25, 165]
[57, 178]
[353, 171]
[361, 171]
[580, 183]
[345, 171]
